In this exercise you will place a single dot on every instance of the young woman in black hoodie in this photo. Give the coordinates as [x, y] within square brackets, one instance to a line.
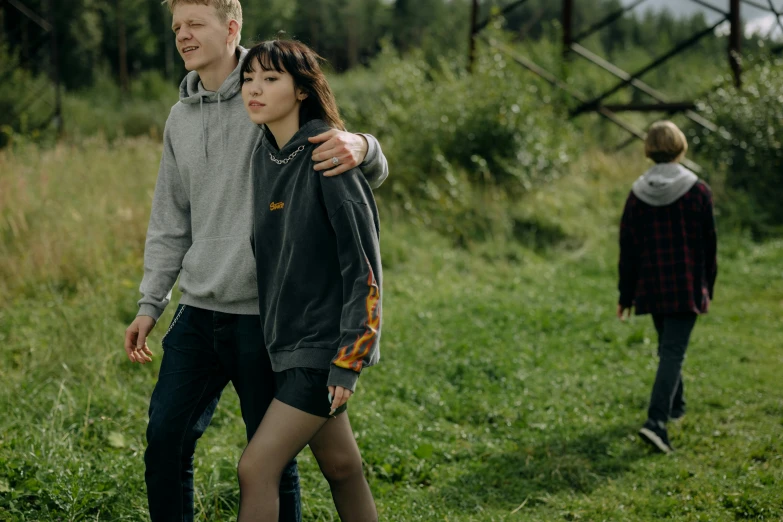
[316, 242]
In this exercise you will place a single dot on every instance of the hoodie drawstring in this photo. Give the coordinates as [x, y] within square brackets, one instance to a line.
[222, 130]
[203, 128]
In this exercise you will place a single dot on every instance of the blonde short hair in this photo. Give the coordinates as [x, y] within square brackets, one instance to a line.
[226, 9]
[665, 142]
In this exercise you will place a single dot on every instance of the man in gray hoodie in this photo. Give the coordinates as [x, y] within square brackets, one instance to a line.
[199, 231]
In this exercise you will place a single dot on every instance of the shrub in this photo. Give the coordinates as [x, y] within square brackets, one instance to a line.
[25, 100]
[441, 127]
[105, 109]
[751, 160]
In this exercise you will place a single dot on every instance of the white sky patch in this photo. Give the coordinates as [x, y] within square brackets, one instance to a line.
[758, 21]
[688, 8]
[766, 26]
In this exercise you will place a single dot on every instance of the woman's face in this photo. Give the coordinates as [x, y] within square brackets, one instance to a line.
[270, 96]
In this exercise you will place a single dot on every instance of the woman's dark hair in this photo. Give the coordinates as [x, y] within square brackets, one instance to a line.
[303, 64]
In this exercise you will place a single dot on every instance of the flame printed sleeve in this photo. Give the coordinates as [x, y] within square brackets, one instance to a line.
[355, 222]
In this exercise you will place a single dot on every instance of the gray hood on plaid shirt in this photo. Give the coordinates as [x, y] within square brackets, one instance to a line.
[664, 184]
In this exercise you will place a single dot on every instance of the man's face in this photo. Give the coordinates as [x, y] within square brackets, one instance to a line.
[201, 36]
[269, 96]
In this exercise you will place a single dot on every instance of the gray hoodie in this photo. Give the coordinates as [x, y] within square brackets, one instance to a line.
[202, 210]
[663, 184]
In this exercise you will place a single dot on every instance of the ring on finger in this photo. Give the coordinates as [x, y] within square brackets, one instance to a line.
[335, 161]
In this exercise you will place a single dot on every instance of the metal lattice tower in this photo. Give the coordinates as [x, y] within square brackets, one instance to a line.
[572, 47]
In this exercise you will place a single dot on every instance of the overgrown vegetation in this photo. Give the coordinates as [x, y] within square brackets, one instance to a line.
[750, 161]
[452, 137]
[346, 32]
[457, 141]
[507, 389]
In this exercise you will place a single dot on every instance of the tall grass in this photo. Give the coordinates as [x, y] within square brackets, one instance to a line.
[506, 391]
[72, 214]
[103, 109]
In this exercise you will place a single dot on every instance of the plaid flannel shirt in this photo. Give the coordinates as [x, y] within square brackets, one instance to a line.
[668, 255]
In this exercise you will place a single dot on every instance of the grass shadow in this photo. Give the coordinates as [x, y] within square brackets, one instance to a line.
[539, 235]
[578, 464]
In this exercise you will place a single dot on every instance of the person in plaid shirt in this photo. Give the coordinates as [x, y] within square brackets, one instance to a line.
[668, 266]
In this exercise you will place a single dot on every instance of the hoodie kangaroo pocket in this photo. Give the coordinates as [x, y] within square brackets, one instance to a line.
[221, 269]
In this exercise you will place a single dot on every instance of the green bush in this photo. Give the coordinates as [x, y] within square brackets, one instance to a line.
[457, 143]
[441, 126]
[105, 109]
[751, 160]
[25, 101]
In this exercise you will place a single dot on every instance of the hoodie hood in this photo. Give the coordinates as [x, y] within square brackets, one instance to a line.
[299, 139]
[192, 91]
[664, 184]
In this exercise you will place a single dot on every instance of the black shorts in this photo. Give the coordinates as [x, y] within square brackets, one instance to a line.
[305, 389]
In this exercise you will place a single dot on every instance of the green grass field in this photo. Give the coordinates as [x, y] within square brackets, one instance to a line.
[507, 389]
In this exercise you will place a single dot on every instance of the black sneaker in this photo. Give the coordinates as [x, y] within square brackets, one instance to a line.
[654, 434]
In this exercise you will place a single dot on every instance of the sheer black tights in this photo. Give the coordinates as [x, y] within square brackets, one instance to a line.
[283, 433]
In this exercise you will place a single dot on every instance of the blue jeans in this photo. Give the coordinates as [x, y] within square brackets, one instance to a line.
[202, 351]
[674, 333]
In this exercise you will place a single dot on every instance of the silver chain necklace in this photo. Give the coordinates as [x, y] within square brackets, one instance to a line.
[289, 158]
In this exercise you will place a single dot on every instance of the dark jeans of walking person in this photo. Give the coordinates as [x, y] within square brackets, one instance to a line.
[202, 351]
[674, 332]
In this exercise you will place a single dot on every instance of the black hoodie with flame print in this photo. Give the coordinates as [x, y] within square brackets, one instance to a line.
[317, 245]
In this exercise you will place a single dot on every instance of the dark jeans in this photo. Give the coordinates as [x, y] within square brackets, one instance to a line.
[674, 332]
[202, 352]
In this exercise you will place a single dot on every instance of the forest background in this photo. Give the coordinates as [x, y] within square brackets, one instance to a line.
[499, 236]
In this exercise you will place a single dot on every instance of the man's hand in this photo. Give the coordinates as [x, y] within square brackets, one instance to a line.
[136, 339]
[623, 313]
[349, 149]
[339, 396]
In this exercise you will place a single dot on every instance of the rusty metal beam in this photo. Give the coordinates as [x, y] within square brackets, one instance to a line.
[777, 18]
[578, 96]
[473, 33]
[46, 26]
[757, 5]
[536, 69]
[651, 107]
[510, 7]
[568, 25]
[626, 143]
[638, 84]
[772, 8]
[57, 116]
[556, 82]
[735, 42]
[679, 48]
[710, 6]
[611, 18]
